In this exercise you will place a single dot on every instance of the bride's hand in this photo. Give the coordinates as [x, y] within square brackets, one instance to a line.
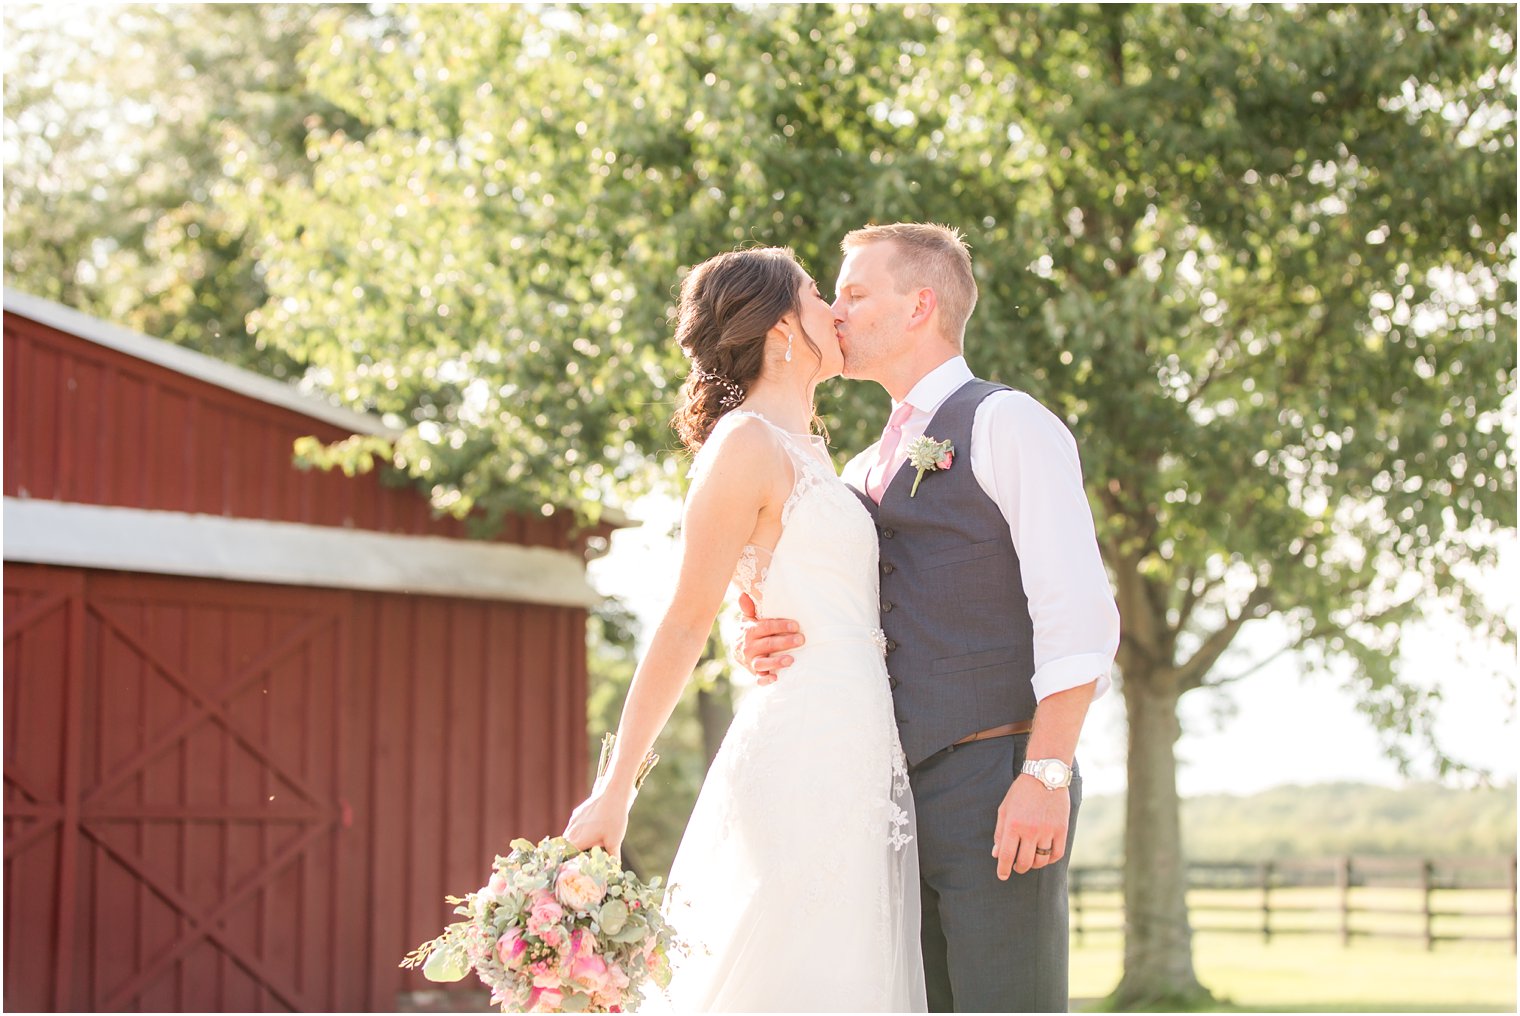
[598, 821]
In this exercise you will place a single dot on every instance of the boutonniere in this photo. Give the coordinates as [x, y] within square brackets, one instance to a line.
[925, 454]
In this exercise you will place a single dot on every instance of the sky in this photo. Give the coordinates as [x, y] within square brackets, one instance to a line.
[1281, 725]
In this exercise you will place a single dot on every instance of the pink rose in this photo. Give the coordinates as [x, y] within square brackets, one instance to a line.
[589, 972]
[582, 942]
[614, 987]
[944, 463]
[544, 901]
[498, 884]
[510, 948]
[576, 889]
[545, 1000]
[546, 914]
[544, 976]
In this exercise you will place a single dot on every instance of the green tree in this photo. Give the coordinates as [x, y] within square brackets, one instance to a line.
[1279, 313]
[121, 128]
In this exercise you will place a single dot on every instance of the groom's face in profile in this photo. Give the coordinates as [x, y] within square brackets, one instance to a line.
[869, 310]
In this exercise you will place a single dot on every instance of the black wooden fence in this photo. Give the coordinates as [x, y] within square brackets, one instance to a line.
[1435, 900]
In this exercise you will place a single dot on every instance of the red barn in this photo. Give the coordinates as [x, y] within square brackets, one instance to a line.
[258, 720]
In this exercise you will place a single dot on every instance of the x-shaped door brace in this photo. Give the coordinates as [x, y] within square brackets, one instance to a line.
[206, 923]
[206, 708]
[45, 814]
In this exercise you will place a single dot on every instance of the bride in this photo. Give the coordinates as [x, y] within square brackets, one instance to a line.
[796, 882]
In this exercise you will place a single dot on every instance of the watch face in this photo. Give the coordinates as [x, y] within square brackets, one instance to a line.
[1054, 771]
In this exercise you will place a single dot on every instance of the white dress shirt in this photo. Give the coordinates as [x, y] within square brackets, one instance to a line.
[1026, 461]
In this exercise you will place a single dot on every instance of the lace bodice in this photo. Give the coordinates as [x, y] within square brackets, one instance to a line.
[822, 571]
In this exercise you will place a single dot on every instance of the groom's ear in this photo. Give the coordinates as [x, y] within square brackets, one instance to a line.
[925, 303]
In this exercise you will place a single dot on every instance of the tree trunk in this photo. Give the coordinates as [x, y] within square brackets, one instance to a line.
[1158, 940]
[715, 711]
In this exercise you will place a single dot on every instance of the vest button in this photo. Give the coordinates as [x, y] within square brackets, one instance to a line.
[887, 568]
[892, 683]
[886, 606]
[891, 646]
[887, 534]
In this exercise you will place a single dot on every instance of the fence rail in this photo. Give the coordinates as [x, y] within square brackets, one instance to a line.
[1434, 900]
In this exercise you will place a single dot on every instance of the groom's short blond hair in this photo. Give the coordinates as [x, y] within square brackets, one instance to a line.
[929, 256]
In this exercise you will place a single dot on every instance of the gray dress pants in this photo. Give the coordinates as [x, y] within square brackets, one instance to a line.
[989, 946]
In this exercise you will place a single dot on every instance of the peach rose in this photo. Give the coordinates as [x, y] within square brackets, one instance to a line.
[576, 889]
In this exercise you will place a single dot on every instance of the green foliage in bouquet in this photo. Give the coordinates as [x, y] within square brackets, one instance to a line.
[555, 930]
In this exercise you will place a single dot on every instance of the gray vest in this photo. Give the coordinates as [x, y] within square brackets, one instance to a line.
[960, 643]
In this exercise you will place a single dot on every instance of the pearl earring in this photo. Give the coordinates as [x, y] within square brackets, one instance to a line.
[788, 347]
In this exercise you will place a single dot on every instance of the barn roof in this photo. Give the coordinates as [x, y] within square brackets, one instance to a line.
[318, 543]
[192, 364]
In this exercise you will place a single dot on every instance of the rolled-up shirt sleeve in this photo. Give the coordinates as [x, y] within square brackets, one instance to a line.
[1026, 460]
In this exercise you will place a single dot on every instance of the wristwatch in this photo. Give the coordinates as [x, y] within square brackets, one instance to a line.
[1052, 772]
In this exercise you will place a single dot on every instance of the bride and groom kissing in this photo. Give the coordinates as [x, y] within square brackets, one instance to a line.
[887, 822]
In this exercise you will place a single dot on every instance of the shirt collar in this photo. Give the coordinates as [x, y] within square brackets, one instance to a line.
[938, 385]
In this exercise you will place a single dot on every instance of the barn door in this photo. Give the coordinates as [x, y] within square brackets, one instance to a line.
[44, 660]
[206, 746]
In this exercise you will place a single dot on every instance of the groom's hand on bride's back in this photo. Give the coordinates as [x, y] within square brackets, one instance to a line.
[763, 650]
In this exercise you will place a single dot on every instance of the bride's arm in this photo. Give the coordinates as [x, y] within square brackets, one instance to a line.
[722, 507]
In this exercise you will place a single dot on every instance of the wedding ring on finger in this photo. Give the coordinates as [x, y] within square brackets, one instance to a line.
[1042, 851]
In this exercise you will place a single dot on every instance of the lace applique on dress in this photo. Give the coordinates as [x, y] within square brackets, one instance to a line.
[808, 475]
[750, 572]
[898, 836]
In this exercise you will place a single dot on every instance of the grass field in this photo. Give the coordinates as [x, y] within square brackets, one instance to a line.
[1314, 972]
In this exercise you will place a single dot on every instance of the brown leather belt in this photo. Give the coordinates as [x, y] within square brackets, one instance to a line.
[1003, 731]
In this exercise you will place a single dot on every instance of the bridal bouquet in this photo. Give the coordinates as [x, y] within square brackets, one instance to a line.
[555, 930]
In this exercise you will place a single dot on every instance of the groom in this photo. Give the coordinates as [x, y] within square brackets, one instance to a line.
[1000, 624]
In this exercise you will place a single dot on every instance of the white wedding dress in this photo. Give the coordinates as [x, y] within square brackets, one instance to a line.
[796, 882]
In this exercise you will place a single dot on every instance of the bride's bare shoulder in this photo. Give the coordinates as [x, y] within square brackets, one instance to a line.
[743, 449]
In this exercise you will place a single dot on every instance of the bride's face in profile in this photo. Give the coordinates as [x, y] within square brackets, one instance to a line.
[818, 321]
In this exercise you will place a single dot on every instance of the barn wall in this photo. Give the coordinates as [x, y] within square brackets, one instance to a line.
[477, 735]
[93, 425]
[226, 796]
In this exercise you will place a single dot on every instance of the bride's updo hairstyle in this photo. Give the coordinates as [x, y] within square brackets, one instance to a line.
[728, 303]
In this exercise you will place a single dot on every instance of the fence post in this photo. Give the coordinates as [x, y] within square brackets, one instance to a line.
[1514, 925]
[1427, 880]
[1343, 881]
[1266, 901]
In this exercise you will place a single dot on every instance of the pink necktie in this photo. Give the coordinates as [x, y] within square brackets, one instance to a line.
[890, 439]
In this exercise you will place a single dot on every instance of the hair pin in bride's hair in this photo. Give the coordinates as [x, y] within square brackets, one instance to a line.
[733, 394]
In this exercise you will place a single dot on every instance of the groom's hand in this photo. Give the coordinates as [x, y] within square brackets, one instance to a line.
[766, 642]
[1030, 818]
